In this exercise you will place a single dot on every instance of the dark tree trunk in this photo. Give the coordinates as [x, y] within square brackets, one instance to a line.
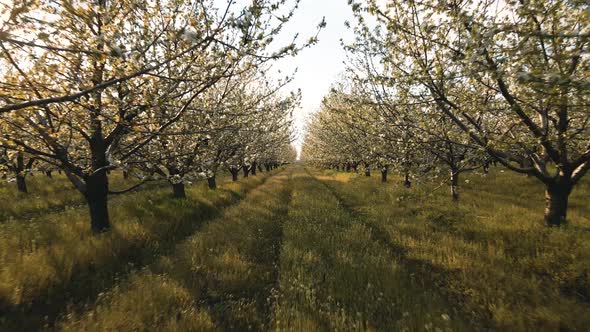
[557, 196]
[526, 163]
[234, 174]
[97, 190]
[260, 168]
[49, 175]
[384, 174]
[178, 190]
[407, 182]
[367, 170]
[246, 170]
[253, 169]
[21, 183]
[125, 175]
[212, 182]
[455, 185]
[486, 167]
[267, 166]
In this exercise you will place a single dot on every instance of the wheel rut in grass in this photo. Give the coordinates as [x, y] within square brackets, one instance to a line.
[334, 275]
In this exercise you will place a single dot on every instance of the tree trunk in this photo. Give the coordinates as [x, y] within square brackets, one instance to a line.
[234, 174]
[367, 170]
[178, 190]
[253, 169]
[455, 185]
[267, 166]
[384, 174]
[407, 182]
[125, 175]
[49, 175]
[557, 196]
[212, 183]
[97, 190]
[21, 183]
[260, 168]
[486, 167]
[246, 170]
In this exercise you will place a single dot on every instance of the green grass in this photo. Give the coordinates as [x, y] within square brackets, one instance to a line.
[50, 195]
[300, 249]
[336, 274]
[222, 277]
[53, 261]
[490, 253]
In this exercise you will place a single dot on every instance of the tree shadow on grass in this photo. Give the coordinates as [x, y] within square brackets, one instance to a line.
[80, 284]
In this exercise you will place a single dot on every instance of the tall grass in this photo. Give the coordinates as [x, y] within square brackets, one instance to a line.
[490, 253]
[53, 261]
[303, 250]
[337, 275]
[222, 277]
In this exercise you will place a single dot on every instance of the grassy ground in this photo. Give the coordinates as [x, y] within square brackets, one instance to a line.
[51, 195]
[490, 253]
[222, 277]
[337, 275]
[51, 262]
[303, 250]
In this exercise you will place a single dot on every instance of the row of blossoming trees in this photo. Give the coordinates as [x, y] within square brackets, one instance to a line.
[448, 86]
[173, 90]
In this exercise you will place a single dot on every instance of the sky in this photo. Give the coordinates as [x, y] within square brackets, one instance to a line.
[321, 65]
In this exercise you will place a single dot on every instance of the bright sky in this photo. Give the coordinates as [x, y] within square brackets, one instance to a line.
[319, 66]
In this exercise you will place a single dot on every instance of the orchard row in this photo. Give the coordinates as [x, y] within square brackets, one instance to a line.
[162, 90]
[438, 88]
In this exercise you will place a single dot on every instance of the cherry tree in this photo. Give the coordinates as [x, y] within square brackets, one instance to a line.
[90, 73]
[530, 57]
